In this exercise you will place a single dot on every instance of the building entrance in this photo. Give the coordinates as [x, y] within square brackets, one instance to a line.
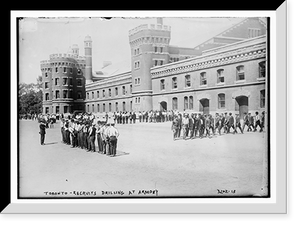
[242, 105]
[204, 106]
[163, 106]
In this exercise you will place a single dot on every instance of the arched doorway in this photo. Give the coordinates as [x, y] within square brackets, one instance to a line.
[242, 103]
[204, 105]
[163, 105]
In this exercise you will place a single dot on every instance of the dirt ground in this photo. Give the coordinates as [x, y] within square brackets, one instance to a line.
[148, 164]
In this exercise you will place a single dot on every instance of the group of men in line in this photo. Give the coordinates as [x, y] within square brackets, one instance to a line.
[205, 125]
[143, 116]
[83, 133]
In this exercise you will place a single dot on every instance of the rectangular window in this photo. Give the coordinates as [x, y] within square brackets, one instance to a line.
[203, 80]
[65, 69]
[65, 81]
[155, 62]
[262, 69]
[174, 82]
[109, 92]
[46, 85]
[187, 81]
[47, 96]
[98, 107]
[57, 109]
[109, 107]
[70, 93]
[56, 69]
[98, 94]
[221, 101]
[161, 49]
[57, 94]
[262, 98]
[103, 107]
[56, 81]
[220, 75]
[65, 93]
[155, 49]
[71, 70]
[103, 93]
[240, 73]
[162, 84]
[116, 91]
[117, 107]
[130, 88]
[93, 95]
[71, 81]
[161, 62]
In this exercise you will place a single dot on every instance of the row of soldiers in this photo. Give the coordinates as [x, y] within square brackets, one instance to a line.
[205, 125]
[151, 116]
[83, 133]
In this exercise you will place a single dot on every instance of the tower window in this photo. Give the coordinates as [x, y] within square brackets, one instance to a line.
[79, 82]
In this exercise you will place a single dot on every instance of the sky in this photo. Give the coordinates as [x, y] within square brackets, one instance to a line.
[40, 37]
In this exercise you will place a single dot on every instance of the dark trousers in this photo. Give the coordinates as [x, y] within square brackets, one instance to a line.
[68, 137]
[42, 138]
[99, 141]
[92, 143]
[113, 145]
[178, 132]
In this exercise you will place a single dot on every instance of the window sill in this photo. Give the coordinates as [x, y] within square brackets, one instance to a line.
[220, 84]
[203, 85]
[261, 78]
[239, 81]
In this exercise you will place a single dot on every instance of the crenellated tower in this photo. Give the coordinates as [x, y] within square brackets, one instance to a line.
[88, 59]
[149, 47]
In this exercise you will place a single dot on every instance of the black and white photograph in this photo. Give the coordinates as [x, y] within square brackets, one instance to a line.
[143, 107]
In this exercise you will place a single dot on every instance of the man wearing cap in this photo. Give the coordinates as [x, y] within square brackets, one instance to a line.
[174, 127]
[238, 124]
[230, 123]
[113, 135]
[185, 126]
[92, 137]
[42, 131]
[104, 137]
[99, 138]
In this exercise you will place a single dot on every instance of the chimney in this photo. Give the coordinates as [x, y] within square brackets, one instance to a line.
[160, 20]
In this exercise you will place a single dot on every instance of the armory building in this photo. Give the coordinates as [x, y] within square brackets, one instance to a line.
[225, 73]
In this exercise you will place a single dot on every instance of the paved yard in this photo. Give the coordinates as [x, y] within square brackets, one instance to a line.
[148, 161]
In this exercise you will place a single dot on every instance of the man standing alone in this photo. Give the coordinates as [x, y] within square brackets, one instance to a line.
[42, 131]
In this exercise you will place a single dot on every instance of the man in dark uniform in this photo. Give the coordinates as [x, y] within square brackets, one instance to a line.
[42, 131]
[191, 126]
[92, 138]
[238, 124]
[174, 128]
[196, 124]
[230, 123]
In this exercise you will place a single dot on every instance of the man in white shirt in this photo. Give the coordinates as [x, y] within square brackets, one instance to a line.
[113, 135]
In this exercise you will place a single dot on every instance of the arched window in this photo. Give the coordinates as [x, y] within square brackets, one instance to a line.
[174, 103]
[185, 103]
[191, 103]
